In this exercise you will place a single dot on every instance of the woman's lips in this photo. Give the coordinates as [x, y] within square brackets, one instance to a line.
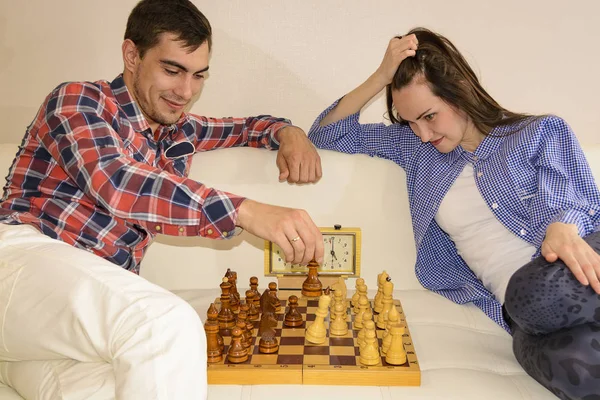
[436, 142]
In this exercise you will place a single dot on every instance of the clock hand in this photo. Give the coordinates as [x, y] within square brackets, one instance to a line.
[332, 251]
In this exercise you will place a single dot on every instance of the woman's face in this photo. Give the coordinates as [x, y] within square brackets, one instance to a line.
[433, 120]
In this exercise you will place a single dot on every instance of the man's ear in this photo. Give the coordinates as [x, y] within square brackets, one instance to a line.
[131, 55]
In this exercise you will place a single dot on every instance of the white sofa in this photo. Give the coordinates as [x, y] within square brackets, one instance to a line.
[463, 354]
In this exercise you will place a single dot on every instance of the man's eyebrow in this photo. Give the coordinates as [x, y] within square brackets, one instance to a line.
[181, 67]
[418, 118]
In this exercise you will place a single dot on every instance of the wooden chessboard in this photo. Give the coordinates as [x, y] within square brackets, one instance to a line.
[336, 362]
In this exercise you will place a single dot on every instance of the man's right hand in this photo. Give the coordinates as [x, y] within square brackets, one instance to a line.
[291, 229]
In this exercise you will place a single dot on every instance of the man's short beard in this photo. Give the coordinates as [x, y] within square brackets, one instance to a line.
[146, 108]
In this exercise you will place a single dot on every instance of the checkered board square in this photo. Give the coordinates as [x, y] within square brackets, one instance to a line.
[335, 362]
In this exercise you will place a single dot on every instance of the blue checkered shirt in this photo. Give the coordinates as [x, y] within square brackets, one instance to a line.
[529, 179]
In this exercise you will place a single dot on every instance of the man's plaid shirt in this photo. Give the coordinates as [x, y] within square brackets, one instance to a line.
[90, 173]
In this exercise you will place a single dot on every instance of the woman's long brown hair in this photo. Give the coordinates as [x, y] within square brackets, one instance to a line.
[450, 77]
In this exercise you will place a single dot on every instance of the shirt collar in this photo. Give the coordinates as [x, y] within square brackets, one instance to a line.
[486, 148]
[132, 110]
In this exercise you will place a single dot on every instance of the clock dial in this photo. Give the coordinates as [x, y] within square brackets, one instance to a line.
[339, 256]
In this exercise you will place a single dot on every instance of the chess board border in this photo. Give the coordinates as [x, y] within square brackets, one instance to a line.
[316, 373]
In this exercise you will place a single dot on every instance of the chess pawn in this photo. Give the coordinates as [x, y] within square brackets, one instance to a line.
[362, 293]
[226, 317]
[396, 355]
[317, 333]
[369, 353]
[381, 279]
[356, 295]
[393, 320]
[241, 323]
[344, 288]
[367, 316]
[249, 324]
[273, 292]
[338, 326]
[293, 318]
[233, 294]
[254, 288]
[237, 352]
[268, 343]
[214, 349]
[388, 303]
[363, 306]
[253, 314]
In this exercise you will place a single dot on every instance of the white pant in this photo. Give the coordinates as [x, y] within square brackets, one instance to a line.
[75, 326]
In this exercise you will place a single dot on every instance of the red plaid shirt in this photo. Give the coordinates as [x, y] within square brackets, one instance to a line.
[90, 173]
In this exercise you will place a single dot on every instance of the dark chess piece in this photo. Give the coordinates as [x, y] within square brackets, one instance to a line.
[276, 301]
[233, 294]
[268, 318]
[268, 342]
[293, 318]
[237, 352]
[242, 323]
[252, 310]
[211, 327]
[249, 324]
[254, 288]
[226, 317]
[312, 286]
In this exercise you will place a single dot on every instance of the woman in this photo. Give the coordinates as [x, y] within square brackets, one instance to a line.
[504, 207]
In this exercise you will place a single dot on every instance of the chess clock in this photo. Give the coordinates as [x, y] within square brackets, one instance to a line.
[341, 255]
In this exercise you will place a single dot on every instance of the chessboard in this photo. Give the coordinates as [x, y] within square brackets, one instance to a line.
[336, 362]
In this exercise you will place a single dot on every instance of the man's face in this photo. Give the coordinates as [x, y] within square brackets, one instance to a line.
[168, 79]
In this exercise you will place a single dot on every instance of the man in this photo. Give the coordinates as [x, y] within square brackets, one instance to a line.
[101, 170]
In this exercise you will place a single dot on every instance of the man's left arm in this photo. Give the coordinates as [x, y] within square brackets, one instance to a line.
[297, 158]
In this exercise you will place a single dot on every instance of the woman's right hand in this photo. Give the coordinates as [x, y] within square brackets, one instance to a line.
[398, 49]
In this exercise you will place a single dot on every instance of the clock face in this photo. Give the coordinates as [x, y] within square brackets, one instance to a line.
[339, 257]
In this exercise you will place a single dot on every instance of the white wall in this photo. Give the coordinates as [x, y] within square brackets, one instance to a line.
[293, 57]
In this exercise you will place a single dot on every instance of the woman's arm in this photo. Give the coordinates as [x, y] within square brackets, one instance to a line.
[397, 50]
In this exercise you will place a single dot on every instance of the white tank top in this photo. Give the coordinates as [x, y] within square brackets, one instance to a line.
[491, 251]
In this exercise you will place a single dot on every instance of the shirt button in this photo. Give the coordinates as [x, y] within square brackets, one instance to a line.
[475, 158]
[523, 232]
[495, 205]
[209, 231]
[181, 229]
[592, 212]
[225, 233]
[157, 227]
[479, 174]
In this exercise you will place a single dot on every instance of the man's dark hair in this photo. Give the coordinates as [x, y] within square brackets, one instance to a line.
[151, 18]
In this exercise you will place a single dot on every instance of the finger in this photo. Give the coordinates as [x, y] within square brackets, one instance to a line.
[319, 246]
[304, 172]
[312, 174]
[282, 241]
[317, 238]
[294, 168]
[283, 168]
[309, 243]
[596, 266]
[296, 239]
[572, 263]
[591, 268]
[319, 169]
[549, 254]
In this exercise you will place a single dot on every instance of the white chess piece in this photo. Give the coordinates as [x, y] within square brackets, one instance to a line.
[317, 333]
[338, 325]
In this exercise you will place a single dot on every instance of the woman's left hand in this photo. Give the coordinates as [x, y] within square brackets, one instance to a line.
[563, 241]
